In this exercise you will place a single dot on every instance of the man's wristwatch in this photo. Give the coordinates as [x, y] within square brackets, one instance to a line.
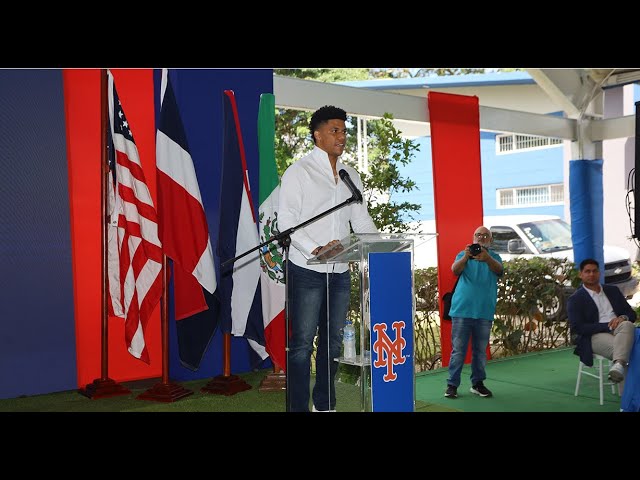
[624, 317]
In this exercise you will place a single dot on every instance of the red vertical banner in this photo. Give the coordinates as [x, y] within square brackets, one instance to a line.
[82, 113]
[457, 187]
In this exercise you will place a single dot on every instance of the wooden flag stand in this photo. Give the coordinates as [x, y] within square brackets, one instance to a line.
[226, 384]
[275, 381]
[165, 391]
[104, 386]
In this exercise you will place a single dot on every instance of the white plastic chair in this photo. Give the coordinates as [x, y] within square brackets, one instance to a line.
[597, 371]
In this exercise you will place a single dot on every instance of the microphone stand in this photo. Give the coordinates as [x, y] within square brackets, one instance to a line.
[284, 240]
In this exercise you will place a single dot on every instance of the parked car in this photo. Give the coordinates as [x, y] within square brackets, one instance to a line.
[528, 236]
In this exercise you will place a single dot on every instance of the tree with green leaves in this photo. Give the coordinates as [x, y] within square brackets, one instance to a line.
[430, 72]
[421, 72]
[387, 152]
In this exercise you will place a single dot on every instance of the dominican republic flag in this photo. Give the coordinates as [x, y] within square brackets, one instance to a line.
[240, 295]
[184, 233]
[134, 252]
[272, 274]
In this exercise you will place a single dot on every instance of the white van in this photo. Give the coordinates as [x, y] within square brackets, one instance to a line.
[526, 236]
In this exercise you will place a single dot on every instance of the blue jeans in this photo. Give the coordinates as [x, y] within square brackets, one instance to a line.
[308, 314]
[479, 331]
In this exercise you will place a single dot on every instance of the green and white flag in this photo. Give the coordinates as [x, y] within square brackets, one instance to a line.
[272, 273]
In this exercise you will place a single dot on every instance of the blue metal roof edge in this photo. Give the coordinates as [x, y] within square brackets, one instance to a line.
[449, 81]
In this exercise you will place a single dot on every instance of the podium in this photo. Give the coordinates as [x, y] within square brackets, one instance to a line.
[386, 306]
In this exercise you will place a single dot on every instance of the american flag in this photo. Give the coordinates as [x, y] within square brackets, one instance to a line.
[134, 250]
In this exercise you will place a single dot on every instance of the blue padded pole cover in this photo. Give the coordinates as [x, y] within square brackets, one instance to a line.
[586, 198]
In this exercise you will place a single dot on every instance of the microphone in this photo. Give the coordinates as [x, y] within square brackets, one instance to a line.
[356, 195]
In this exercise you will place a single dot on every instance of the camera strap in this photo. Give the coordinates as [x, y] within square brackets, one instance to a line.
[455, 285]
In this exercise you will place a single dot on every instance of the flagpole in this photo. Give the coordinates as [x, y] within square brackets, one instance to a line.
[165, 391]
[104, 386]
[279, 380]
[226, 384]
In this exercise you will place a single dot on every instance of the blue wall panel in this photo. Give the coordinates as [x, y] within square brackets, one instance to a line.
[37, 330]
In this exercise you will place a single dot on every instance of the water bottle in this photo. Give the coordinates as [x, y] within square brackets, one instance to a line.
[349, 341]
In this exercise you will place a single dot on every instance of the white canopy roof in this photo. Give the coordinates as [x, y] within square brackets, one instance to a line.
[576, 92]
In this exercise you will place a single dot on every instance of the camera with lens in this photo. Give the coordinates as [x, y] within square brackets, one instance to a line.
[475, 249]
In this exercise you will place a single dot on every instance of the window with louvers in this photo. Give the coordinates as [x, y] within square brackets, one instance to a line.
[511, 143]
[531, 196]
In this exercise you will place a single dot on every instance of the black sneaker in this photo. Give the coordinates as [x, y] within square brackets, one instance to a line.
[452, 392]
[480, 389]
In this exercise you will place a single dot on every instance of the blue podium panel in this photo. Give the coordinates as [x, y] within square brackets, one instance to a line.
[391, 313]
[630, 401]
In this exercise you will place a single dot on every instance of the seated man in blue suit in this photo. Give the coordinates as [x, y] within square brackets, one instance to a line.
[603, 321]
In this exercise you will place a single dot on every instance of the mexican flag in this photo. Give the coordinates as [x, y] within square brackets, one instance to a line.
[272, 273]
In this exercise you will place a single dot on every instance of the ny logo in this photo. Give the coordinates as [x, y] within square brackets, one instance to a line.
[387, 352]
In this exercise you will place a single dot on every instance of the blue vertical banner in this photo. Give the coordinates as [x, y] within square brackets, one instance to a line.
[391, 309]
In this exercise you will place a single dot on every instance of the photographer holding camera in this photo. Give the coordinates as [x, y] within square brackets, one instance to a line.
[472, 309]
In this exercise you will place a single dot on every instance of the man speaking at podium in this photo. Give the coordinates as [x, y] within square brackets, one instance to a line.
[309, 187]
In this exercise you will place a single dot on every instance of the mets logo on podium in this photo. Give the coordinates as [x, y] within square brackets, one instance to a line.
[389, 353]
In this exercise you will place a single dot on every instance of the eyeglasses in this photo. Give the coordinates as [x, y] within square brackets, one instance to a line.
[481, 235]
